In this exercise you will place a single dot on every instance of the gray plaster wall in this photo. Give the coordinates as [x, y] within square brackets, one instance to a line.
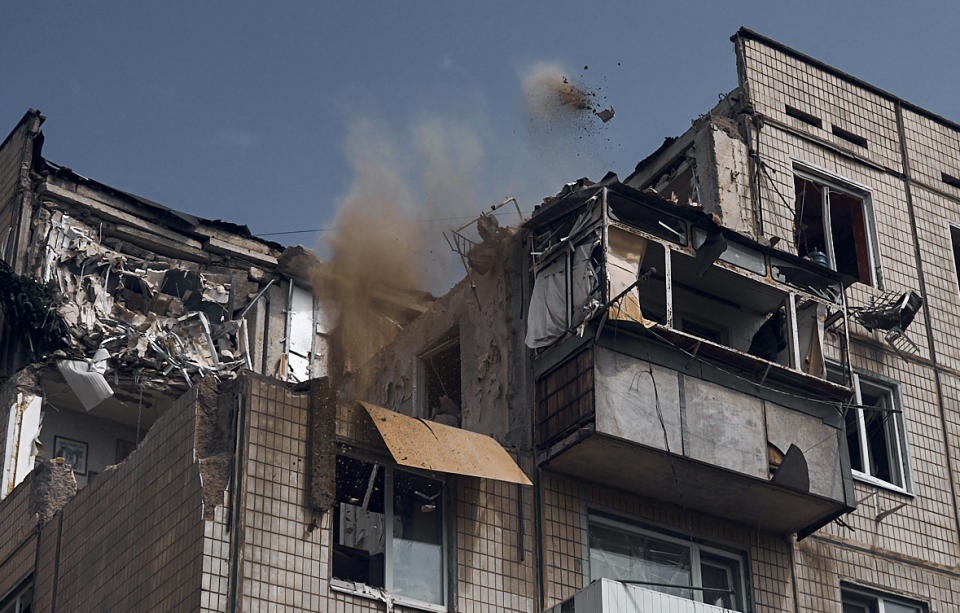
[100, 435]
[818, 442]
[626, 400]
[724, 427]
[709, 422]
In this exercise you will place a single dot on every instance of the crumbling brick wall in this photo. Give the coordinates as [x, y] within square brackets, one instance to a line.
[133, 539]
[17, 537]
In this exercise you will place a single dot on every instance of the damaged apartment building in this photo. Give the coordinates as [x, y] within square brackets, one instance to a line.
[728, 382]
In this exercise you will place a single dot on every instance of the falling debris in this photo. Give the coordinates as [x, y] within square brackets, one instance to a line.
[605, 115]
[555, 97]
[85, 378]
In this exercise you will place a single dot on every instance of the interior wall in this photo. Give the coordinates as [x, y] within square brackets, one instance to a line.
[100, 435]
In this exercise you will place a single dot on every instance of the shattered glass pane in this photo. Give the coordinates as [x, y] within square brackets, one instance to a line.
[647, 219]
[359, 522]
[418, 537]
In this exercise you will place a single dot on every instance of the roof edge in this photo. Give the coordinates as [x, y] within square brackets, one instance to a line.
[803, 57]
[30, 114]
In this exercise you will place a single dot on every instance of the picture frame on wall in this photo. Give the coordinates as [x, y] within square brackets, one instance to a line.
[74, 453]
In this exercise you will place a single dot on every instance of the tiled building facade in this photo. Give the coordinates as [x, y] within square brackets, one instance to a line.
[230, 522]
[902, 162]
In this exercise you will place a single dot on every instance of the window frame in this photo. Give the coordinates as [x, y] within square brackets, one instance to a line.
[827, 181]
[357, 588]
[421, 364]
[875, 598]
[17, 599]
[892, 388]
[695, 546]
[954, 230]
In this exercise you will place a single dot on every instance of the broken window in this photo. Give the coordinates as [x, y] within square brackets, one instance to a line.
[647, 219]
[439, 380]
[955, 241]
[566, 291]
[389, 531]
[863, 601]
[834, 227]
[731, 310]
[300, 333]
[875, 433]
[664, 563]
[20, 600]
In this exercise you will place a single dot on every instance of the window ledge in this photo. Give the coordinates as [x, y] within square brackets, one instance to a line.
[880, 483]
[363, 590]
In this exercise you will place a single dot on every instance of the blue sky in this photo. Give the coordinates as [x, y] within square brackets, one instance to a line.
[268, 113]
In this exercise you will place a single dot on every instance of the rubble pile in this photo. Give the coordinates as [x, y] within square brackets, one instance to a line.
[32, 308]
[163, 318]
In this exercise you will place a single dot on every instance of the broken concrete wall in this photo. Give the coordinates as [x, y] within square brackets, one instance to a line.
[166, 293]
[18, 430]
[722, 171]
[169, 304]
[16, 154]
[483, 314]
[709, 164]
[23, 513]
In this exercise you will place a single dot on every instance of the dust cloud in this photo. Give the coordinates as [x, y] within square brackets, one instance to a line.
[387, 243]
[407, 188]
[553, 97]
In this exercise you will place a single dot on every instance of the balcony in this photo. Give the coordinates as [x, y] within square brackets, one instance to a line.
[608, 596]
[680, 361]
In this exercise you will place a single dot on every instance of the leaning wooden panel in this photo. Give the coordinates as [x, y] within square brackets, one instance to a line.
[428, 445]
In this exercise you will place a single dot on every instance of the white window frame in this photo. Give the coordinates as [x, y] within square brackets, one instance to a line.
[878, 599]
[377, 593]
[893, 392]
[830, 181]
[695, 546]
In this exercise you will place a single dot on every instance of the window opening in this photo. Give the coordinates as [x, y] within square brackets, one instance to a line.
[833, 229]
[359, 522]
[848, 136]
[666, 564]
[397, 546]
[857, 601]
[803, 116]
[955, 240]
[950, 180]
[875, 432]
[440, 380]
[417, 537]
[21, 601]
[731, 310]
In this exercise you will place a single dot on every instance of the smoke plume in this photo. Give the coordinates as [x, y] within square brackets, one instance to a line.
[387, 244]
